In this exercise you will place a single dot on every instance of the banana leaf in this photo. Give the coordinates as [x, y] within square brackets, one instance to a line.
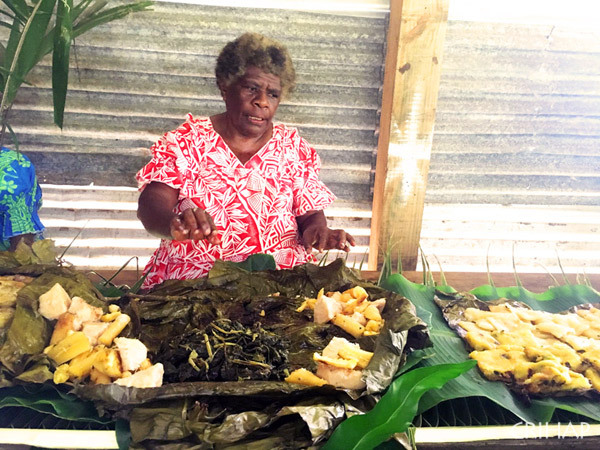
[448, 347]
[237, 413]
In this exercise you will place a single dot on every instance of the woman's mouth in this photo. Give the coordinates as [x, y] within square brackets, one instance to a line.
[255, 119]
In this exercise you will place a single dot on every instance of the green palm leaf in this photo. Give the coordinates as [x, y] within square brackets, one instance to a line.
[27, 49]
[109, 15]
[60, 58]
[448, 347]
[19, 8]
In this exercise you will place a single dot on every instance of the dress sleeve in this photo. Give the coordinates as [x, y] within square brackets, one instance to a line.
[167, 161]
[310, 193]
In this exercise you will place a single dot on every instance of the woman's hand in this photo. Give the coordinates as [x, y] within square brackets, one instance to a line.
[195, 224]
[155, 210]
[316, 234]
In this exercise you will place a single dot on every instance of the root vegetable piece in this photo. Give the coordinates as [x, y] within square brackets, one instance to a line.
[332, 349]
[84, 311]
[349, 325]
[54, 302]
[379, 304]
[93, 330]
[343, 378]
[358, 292]
[61, 374]
[336, 362]
[113, 330]
[107, 361]
[342, 348]
[359, 317]
[66, 322]
[326, 308]
[151, 377]
[98, 377]
[132, 351]
[305, 377]
[74, 344]
[354, 352]
[81, 365]
[372, 313]
[374, 326]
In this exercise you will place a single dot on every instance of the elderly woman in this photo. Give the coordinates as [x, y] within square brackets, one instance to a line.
[234, 184]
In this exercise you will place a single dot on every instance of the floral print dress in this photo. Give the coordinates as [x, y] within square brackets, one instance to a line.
[20, 197]
[254, 205]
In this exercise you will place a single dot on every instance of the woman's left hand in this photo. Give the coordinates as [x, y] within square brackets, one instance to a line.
[324, 238]
[316, 234]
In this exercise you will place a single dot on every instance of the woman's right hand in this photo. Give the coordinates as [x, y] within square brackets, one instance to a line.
[155, 210]
[195, 224]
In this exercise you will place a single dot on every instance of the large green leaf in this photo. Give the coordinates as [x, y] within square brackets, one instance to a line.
[19, 8]
[395, 410]
[102, 17]
[26, 54]
[48, 399]
[60, 58]
[448, 347]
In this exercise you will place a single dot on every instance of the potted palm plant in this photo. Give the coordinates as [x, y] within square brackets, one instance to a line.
[40, 27]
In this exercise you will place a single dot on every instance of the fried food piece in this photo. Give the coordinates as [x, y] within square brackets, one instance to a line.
[305, 378]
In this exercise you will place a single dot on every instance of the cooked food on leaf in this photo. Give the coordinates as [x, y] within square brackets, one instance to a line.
[340, 364]
[225, 351]
[84, 343]
[350, 310]
[535, 352]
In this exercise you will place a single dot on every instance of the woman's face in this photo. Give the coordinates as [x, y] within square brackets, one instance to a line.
[251, 102]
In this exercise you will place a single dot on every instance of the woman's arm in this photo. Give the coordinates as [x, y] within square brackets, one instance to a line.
[156, 212]
[315, 233]
[29, 239]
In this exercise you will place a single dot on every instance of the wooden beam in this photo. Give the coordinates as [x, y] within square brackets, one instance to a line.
[416, 34]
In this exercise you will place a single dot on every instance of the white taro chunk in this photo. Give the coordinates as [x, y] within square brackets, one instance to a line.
[54, 303]
[150, 377]
[84, 311]
[326, 309]
[342, 378]
[132, 351]
[93, 330]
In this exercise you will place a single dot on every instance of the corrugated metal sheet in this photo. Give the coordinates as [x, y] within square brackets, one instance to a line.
[136, 78]
[517, 127]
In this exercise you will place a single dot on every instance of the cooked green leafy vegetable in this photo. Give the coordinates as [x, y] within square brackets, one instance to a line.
[225, 351]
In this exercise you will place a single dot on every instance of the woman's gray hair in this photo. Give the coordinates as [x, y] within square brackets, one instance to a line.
[254, 49]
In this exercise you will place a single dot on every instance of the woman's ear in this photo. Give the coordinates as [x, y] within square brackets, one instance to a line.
[222, 88]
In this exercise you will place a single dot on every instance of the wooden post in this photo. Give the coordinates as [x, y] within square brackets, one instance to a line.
[416, 33]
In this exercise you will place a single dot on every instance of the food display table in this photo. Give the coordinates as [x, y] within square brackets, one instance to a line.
[555, 435]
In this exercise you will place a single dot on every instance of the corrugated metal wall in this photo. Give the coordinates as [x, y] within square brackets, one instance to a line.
[136, 78]
[516, 151]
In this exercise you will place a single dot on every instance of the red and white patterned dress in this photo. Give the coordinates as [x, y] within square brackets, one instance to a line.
[254, 205]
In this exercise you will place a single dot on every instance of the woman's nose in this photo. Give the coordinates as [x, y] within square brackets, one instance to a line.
[261, 98]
